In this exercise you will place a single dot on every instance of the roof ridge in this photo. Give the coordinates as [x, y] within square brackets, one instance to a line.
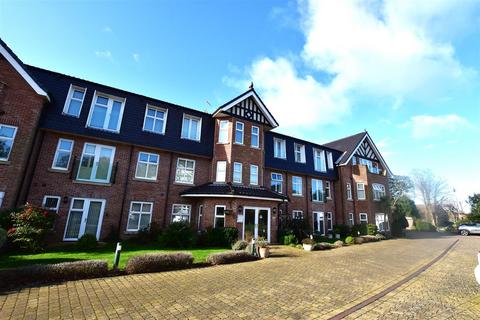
[348, 137]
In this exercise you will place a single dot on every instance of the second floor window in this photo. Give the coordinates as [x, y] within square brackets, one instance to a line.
[253, 174]
[279, 148]
[147, 166]
[221, 171]
[7, 136]
[378, 191]
[349, 191]
[297, 188]
[299, 153]
[185, 172]
[191, 127]
[155, 120]
[328, 191]
[62, 154]
[106, 112]
[223, 131]
[255, 137]
[237, 172]
[96, 163]
[319, 160]
[239, 128]
[361, 191]
[74, 101]
[317, 190]
[276, 182]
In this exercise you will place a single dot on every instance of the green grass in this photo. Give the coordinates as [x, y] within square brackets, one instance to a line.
[107, 252]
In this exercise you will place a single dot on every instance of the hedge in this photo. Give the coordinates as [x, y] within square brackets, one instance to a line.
[229, 257]
[155, 262]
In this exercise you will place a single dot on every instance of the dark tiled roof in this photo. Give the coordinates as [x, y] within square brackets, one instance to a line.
[233, 190]
[347, 145]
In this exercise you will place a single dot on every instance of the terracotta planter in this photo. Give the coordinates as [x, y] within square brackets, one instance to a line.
[307, 247]
[264, 252]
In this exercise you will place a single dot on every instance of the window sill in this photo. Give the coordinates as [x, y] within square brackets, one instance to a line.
[145, 180]
[223, 143]
[58, 170]
[238, 144]
[105, 184]
[104, 130]
[297, 195]
[5, 162]
[153, 132]
[70, 115]
[253, 147]
[193, 140]
[183, 183]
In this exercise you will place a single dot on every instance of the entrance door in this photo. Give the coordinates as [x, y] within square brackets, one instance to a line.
[319, 222]
[256, 223]
[85, 217]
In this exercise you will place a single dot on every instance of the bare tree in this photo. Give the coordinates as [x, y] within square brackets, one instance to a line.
[433, 191]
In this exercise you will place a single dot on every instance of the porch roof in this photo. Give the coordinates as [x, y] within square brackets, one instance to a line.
[226, 190]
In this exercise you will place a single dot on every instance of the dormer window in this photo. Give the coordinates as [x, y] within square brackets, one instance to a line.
[191, 127]
[319, 160]
[299, 153]
[155, 119]
[74, 101]
[106, 112]
[279, 149]
[330, 159]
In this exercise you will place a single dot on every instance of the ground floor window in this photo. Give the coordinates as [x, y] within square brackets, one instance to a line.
[2, 195]
[319, 222]
[52, 203]
[363, 218]
[297, 214]
[85, 217]
[329, 221]
[219, 221]
[181, 212]
[381, 220]
[351, 219]
[139, 216]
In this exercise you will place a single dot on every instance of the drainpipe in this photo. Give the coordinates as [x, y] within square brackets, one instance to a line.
[167, 191]
[124, 196]
[26, 181]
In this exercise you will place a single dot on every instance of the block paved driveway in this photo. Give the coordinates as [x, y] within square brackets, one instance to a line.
[291, 285]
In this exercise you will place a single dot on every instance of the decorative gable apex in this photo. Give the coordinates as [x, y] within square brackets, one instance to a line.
[366, 151]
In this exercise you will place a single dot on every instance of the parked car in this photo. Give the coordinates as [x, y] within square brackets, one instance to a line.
[469, 228]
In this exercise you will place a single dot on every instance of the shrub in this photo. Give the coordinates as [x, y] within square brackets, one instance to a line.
[113, 236]
[289, 239]
[240, 245]
[323, 246]
[338, 244]
[372, 229]
[218, 237]
[299, 246]
[154, 262]
[342, 229]
[30, 227]
[319, 237]
[358, 240]
[87, 242]
[231, 235]
[349, 240]
[308, 241]
[421, 225]
[53, 272]
[298, 227]
[359, 229]
[3, 237]
[149, 234]
[229, 257]
[177, 235]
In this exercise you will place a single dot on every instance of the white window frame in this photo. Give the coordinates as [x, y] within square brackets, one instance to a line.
[320, 155]
[215, 216]
[70, 97]
[148, 164]
[111, 99]
[317, 217]
[282, 153]
[351, 218]
[221, 171]
[320, 183]
[378, 191]
[177, 169]
[330, 159]
[329, 221]
[155, 118]
[199, 127]
[15, 129]
[328, 194]
[96, 159]
[189, 206]
[242, 131]
[362, 189]
[257, 135]
[382, 224]
[297, 214]
[55, 157]
[140, 213]
[239, 172]
[84, 210]
[223, 126]
[349, 191]
[276, 180]
[300, 152]
[54, 209]
[298, 183]
[252, 181]
[363, 217]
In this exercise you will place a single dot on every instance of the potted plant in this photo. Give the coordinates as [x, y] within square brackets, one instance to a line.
[308, 244]
[263, 248]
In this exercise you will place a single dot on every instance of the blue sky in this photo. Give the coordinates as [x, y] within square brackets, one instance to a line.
[406, 71]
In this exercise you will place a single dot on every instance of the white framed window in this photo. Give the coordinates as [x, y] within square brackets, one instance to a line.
[223, 131]
[2, 196]
[319, 160]
[378, 191]
[253, 174]
[181, 212]
[84, 217]
[351, 219]
[155, 119]
[63, 153]
[239, 128]
[363, 218]
[299, 152]
[7, 137]
[329, 221]
[297, 186]
[349, 191]
[237, 172]
[319, 222]
[276, 182]
[328, 191]
[279, 148]
[51, 203]
[139, 216]
[74, 101]
[297, 214]
[147, 166]
[381, 220]
[106, 112]
[317, 190]
[330, 160]
[96, 163]
[219, 221]
[221, 175]
[185, 172]
[361, 191]
[255, 138]
[191, 127]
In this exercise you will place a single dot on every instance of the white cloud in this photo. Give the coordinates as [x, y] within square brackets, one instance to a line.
[425, 126]
[104, 54]
[136, 57]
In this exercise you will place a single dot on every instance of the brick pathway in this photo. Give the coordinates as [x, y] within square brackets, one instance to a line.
[292, 285]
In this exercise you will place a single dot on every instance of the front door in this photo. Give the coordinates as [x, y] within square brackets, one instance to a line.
[319, 223]
[85, 217]
[256, 223]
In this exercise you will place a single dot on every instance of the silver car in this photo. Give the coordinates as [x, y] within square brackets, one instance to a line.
[469, 228]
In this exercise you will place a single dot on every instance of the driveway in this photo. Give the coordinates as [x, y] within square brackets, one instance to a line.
[291, 285]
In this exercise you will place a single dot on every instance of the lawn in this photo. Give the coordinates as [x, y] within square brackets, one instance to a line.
[107, 252]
